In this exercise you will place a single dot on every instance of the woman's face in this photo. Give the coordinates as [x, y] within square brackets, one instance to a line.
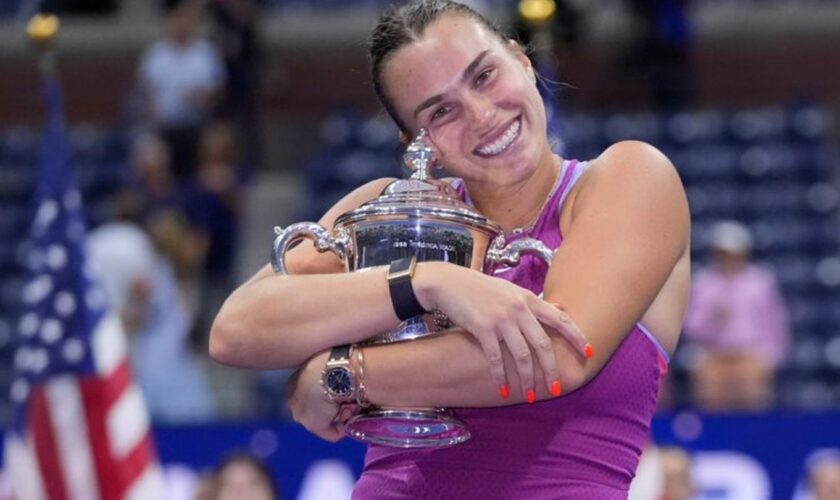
[475, 96]
[242, 480]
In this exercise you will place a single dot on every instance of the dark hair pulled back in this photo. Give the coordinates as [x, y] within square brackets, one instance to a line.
[403, 25]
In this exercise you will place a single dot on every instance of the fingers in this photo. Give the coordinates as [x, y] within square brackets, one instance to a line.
[333, 431]
[325, 420]
[521, 353]
[333, 434]
[345, 412]
[543, 349]
[554, 316]
[493, 353]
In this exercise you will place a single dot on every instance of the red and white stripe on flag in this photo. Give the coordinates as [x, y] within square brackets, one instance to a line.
[87, 437]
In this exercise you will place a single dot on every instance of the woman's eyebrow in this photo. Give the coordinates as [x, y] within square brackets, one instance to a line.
[468, 72]
[473, 65]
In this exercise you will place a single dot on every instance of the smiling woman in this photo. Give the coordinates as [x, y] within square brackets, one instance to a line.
[554, 369]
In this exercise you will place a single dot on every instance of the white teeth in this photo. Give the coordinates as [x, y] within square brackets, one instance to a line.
[502, 142]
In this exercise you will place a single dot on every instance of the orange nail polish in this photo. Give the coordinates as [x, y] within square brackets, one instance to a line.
[532, 396]
[556, 388]
[588, 351]
[504, 390]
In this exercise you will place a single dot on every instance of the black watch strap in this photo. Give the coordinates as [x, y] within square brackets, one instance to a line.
[339, 352]
[402, 293]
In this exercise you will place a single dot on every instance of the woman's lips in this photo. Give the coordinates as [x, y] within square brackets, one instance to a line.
[502, 142]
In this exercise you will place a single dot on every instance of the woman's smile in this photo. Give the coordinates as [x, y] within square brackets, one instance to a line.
[502, 140]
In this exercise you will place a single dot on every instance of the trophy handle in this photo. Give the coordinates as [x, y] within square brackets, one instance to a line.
[322, 239]
[510, 254]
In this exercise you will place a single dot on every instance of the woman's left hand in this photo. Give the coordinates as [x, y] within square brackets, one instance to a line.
[310, 406]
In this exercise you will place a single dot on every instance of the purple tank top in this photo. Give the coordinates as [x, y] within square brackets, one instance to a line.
[583, 445]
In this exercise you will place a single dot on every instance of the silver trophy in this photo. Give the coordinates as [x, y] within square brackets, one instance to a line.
[422, 217]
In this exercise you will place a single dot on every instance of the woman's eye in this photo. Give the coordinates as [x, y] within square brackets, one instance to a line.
[483, 76]
[439, 112]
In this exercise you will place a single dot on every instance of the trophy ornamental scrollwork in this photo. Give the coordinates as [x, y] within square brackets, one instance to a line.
[425, 218]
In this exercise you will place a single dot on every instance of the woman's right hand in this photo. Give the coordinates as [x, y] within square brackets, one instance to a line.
[493, 311]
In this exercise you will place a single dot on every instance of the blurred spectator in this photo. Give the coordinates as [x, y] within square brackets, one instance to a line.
[151, 159]
[238, 37]
[182, 217]
[824, 475]
[218, 200]
[664, 473]
[738, 319]
[170, 211]
[142, 288]
[244, 476]
[181, 77]
[677, 481]
[205, 488]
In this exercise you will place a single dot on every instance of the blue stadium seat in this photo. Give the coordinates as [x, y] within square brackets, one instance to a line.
[721, 200]
[758, 124]
[775, 199]
[639, 126]
[19, 145]
[810, 123]
[696, 127]
[713, 161]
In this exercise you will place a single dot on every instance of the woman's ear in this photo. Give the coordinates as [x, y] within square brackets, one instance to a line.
[514, 45]
[404, 139]
[522, 57]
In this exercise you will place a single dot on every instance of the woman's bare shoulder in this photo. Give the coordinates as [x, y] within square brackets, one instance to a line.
[631, 168]
[633, 158]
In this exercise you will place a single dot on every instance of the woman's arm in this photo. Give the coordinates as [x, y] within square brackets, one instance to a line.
[628, 229]
[277, 321]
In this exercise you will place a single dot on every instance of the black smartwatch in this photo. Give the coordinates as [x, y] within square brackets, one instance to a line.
[337, 378]
[402, 293]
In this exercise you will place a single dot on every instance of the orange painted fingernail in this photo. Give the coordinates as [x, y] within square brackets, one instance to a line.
[504, 390]
[556, 388]
[532, 396]
[588, 351]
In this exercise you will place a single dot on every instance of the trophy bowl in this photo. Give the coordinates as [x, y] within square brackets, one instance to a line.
[425, 218]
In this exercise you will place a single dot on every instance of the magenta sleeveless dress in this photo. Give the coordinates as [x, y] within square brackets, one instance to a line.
[585, 445]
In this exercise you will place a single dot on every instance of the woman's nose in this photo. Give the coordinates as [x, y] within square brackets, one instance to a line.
[482, 111]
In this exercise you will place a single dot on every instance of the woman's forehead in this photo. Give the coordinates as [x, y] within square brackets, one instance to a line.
[449, 37]
[437, 60]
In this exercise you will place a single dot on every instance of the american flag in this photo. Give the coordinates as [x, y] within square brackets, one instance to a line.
[80, 428]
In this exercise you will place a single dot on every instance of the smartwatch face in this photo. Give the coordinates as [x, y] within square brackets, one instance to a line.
[339, 381]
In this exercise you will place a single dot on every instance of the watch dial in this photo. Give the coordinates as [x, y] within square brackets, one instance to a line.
[340, 381]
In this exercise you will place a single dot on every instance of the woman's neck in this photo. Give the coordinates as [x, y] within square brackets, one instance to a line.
[519, 205]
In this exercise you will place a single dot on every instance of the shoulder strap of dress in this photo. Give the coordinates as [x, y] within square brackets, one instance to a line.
[458, 184]
[575, 170]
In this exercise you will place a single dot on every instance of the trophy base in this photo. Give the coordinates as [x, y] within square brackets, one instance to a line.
[407, 428]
